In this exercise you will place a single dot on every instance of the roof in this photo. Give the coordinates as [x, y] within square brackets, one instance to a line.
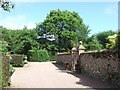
[74, 49]
[81, 47]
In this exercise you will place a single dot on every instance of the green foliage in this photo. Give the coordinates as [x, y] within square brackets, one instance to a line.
[17, 60]
[3, 46]
[3, 43]
[11, 70]
[68, 27]
[117, 45]
[92, 43]
[112, 41]
[52, 57]
[68, 39]
[6, 5]
[102, 37]
[38, 55]
[5, 70]
[20, 41]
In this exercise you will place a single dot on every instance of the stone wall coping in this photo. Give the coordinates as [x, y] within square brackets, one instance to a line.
[100, 51]
[64, 53]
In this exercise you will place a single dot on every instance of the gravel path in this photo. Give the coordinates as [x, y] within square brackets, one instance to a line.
[49, 75]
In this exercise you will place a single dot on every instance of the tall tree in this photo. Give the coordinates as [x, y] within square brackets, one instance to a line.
[62, 24]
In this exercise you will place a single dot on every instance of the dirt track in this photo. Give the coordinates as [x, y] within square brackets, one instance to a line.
[49, 75]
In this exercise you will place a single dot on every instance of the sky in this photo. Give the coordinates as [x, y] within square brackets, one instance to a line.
[99, 16]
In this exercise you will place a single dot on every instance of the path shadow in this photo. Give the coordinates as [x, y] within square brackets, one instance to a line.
[85, 80]
[92, 82]
[60, 67]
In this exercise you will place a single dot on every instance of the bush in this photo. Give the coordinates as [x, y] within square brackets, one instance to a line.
[17, 60]
[5, 71]
[38, 55]
[52, 57]
[25, 62]
[11, 70]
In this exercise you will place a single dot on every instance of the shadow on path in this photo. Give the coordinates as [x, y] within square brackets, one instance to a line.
[59, 66]
[86, 80]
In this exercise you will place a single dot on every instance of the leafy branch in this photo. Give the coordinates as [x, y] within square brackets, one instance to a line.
[6, 5]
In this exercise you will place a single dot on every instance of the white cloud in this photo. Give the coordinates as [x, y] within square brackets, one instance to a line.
[11, 26]
[16, 22]
[13, 22]
[15, 19]
[14, 26]
[31, 25]
[20, 26]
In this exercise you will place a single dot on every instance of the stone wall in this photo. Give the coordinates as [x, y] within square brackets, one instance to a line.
[99, 64]
[64, 58]
[102, 64]
[69, 58]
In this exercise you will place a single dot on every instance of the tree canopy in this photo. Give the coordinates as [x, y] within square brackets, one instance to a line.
[20, 41]
[102, 37]
[92, 43]
[68, 28]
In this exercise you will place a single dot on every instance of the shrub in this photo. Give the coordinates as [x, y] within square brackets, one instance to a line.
[25, 62]
[5, 71]
[38, 55]
[17, 60]
[52, 57]
[11, 70]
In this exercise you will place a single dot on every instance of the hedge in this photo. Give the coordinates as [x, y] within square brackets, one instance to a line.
[52, 57]
[17, 60]
[7, 71]
[38, 55]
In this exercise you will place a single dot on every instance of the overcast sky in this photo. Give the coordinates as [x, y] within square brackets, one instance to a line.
[99, 16]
